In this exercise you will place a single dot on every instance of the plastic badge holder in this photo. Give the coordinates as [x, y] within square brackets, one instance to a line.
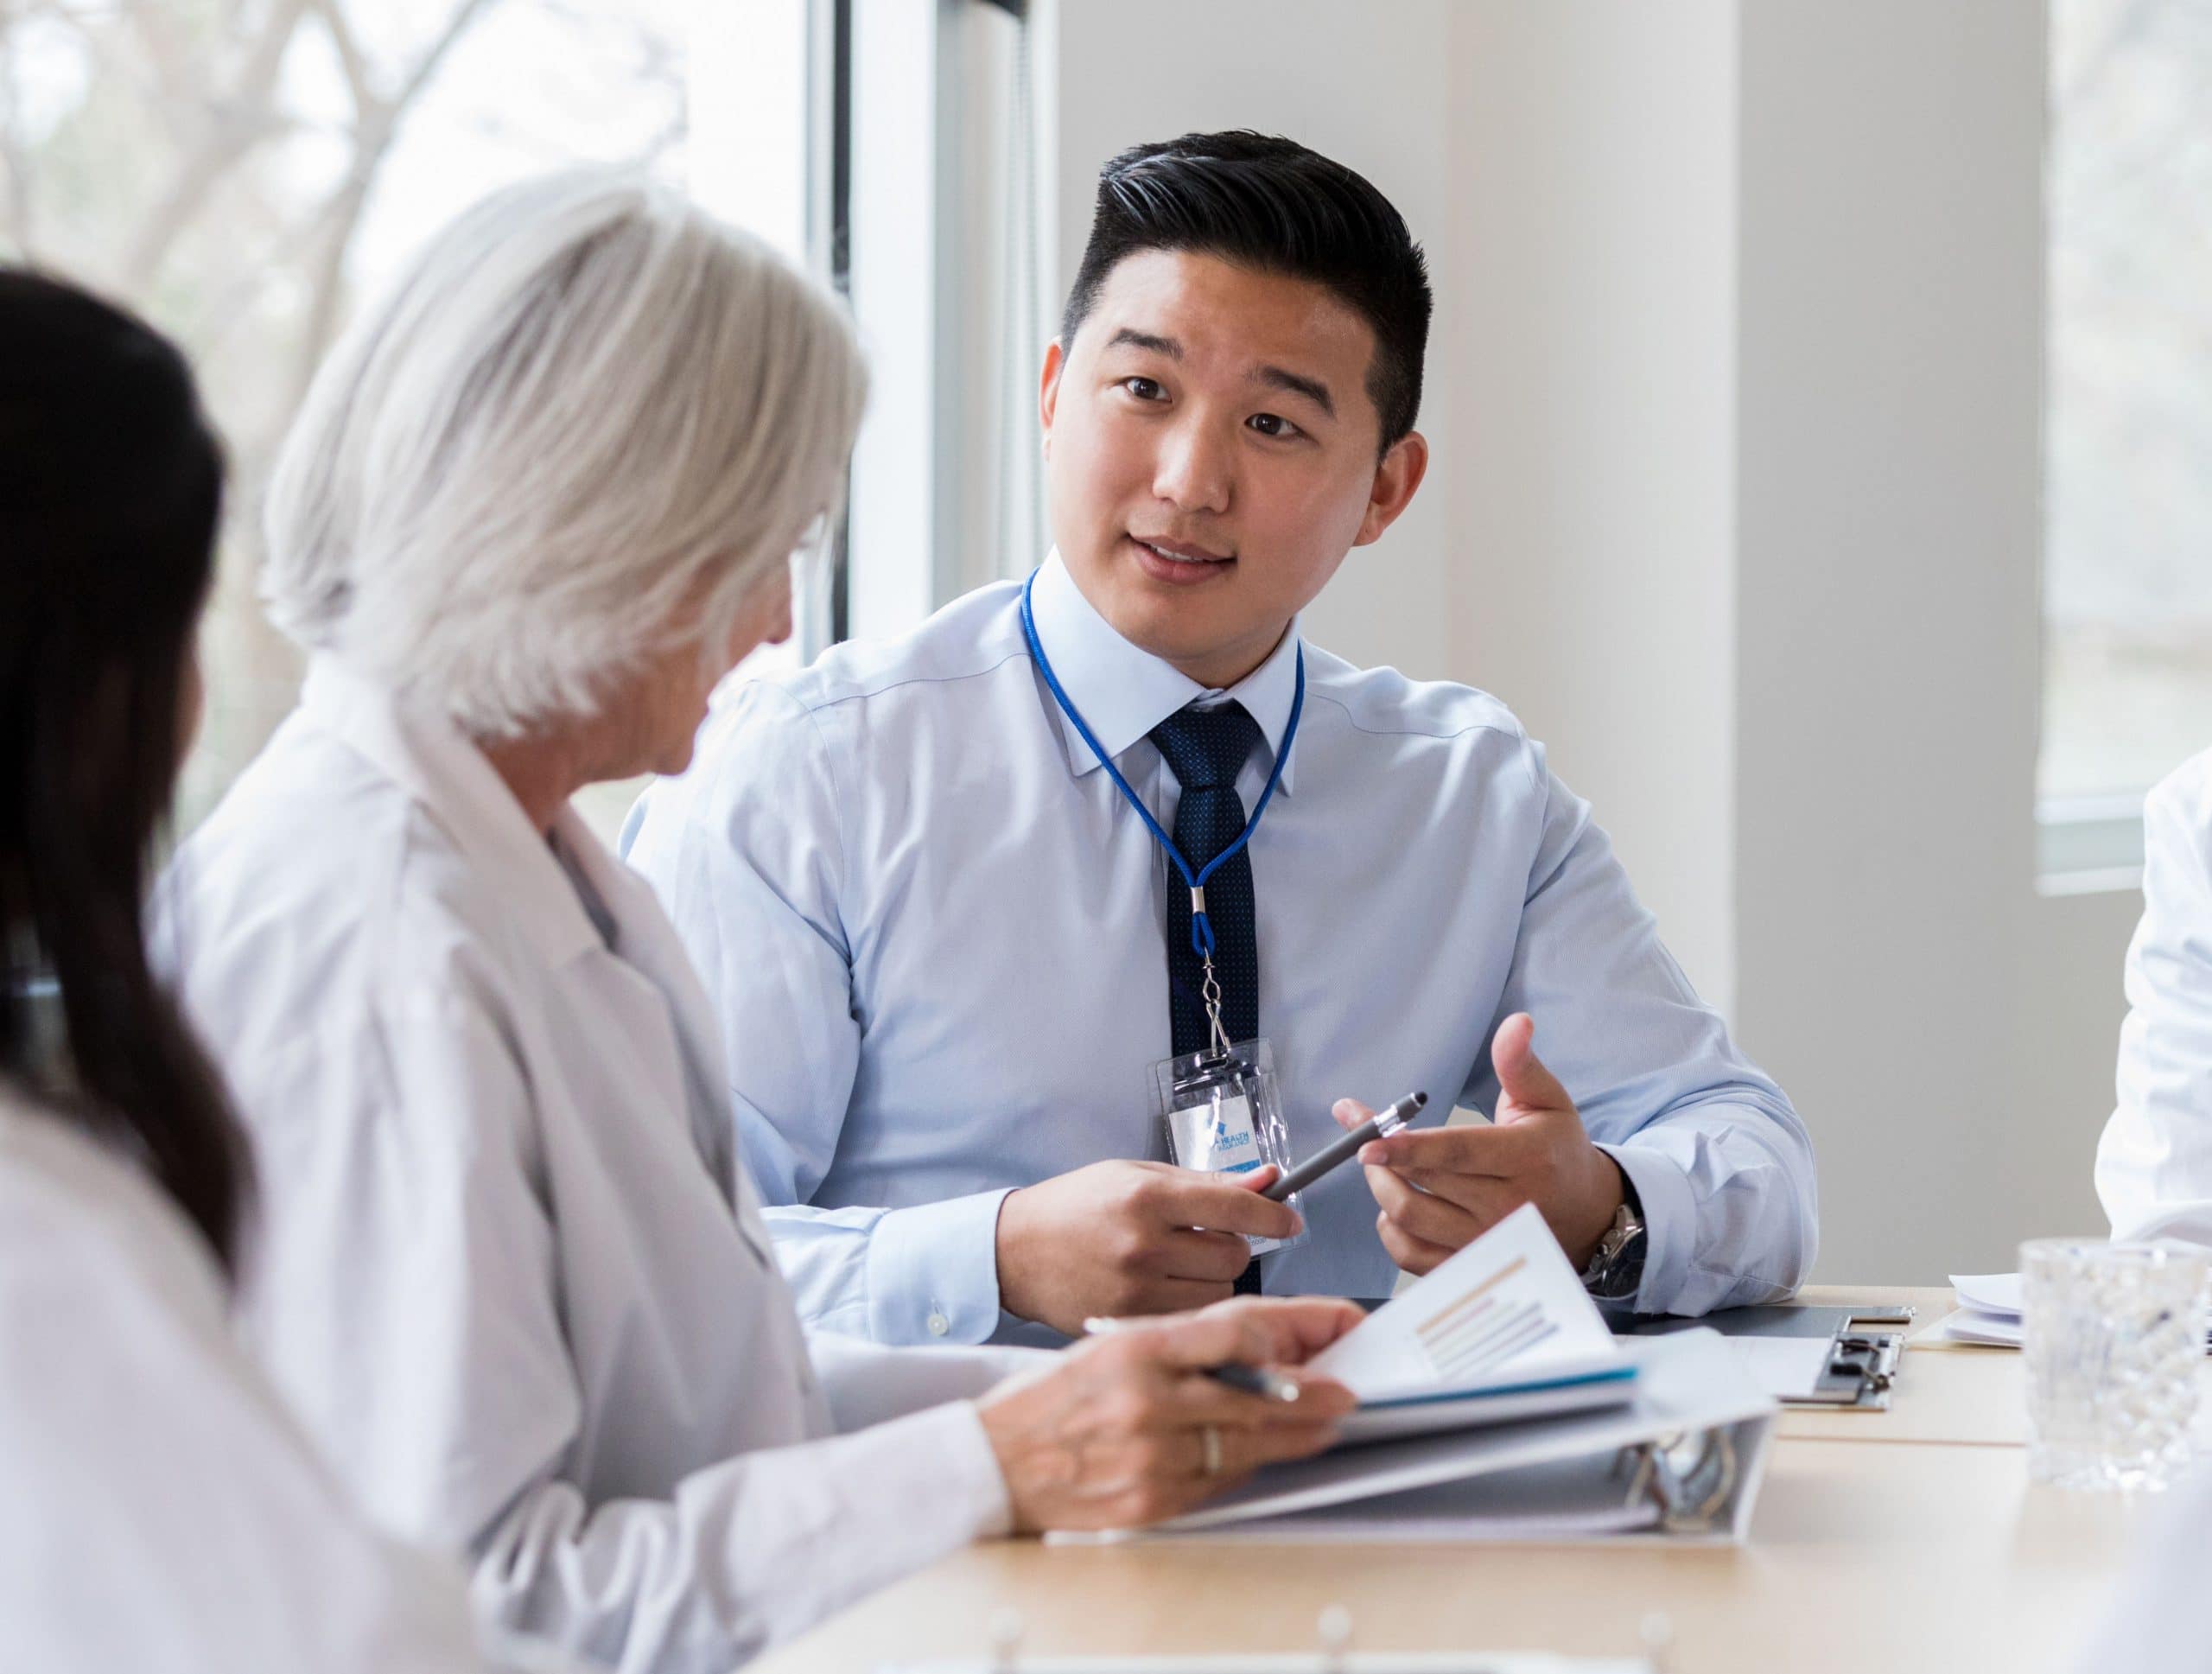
[1223, 1115]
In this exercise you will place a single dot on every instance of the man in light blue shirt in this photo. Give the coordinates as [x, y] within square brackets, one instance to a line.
[947, 952]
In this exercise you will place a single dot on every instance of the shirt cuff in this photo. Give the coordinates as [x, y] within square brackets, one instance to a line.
[900, 1496]
[869, 1383]
[943, 1460]
[969, 1445]
[1669, 1223]
[933, 1272]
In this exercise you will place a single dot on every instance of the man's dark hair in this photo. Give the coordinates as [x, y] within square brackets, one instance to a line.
[1272, 205]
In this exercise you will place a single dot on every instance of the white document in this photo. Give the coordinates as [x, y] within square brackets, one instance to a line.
[1506, 1311]
[1989, 1314]
[1687, 1383]
[1990, 1293]
[1992, 1312]
[1788, 1368]
[1970, 1325]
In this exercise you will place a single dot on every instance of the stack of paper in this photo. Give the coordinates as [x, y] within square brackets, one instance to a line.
[1495, 1405]
[1991, 1311]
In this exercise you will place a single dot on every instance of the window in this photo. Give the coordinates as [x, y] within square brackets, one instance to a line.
[948, 252]
[2127, 691]
[243, 174]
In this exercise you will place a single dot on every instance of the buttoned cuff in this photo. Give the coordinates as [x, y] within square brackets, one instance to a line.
[1669, 1223]
[933, 1272]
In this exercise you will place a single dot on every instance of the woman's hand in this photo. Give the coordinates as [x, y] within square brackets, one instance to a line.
[1127, 1429]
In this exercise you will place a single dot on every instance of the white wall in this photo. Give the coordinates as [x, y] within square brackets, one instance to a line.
[1735, 395]
[1949, 1032]
[1586, 347]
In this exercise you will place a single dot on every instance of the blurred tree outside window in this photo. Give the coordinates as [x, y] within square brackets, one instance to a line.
[245, 172]
[2128, 688]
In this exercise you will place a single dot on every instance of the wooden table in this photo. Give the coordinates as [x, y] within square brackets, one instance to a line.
[1883, 1542]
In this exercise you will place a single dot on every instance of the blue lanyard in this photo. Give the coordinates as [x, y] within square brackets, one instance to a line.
[1202, 941]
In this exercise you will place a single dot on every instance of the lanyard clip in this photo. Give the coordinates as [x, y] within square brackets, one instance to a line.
[1209, 996]
[1201, 927]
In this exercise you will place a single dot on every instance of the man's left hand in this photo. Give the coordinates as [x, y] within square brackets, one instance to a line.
[1441, 1187]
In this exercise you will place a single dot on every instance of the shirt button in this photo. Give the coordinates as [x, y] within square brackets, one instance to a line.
[939, 1325]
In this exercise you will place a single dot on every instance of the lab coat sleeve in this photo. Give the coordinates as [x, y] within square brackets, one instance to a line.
[867, 1382]
[746, 853]
[1721, 1161]
[748, 1552]
[2154, 1164]
[423, 1334]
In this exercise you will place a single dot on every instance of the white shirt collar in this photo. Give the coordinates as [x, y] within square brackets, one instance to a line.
[438, 765]
[1124, 692]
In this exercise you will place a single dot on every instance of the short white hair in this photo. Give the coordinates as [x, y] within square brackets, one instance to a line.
[586, 409]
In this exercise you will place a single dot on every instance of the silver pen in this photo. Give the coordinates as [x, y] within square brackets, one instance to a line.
[1253, 1380]
[1345, 1147]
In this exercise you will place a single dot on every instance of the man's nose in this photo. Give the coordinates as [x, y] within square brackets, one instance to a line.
[1195, 470]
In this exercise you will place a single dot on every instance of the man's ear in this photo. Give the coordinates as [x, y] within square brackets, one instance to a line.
[1048, 390]
[1402, 466]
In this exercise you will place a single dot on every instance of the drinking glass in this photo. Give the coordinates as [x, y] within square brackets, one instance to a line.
[2114, 1341]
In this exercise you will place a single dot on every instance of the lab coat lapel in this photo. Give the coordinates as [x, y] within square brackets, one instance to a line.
[646, 994]
[652, 950]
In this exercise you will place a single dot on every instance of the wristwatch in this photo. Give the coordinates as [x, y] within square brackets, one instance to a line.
[1617, 1271]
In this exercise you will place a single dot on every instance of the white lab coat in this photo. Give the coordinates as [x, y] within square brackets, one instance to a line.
[2154, 1165]
[158, 1509]
[512, 1273]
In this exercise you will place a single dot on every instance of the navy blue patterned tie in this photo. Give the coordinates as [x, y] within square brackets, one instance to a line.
[1204, 749]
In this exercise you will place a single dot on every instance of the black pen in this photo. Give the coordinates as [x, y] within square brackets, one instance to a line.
[1346, 1146]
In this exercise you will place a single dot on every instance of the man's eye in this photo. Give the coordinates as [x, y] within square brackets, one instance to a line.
[1272, 425]
[1144, 389]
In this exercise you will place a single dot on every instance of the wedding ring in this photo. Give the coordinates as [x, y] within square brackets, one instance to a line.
[1209, 1440]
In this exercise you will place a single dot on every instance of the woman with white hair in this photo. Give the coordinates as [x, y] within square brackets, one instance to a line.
[510, 1270]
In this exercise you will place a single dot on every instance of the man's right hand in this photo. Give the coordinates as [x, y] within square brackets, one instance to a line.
[1118, 1238]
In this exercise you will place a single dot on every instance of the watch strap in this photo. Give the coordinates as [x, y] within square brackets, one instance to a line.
[1616, 1272]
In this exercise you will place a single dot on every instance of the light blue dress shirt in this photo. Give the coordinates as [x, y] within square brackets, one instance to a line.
[933, 933]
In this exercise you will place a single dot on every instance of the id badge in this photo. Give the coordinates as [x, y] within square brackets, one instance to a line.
[1223, 1115]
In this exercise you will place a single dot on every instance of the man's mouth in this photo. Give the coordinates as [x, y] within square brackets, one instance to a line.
[1183, 552]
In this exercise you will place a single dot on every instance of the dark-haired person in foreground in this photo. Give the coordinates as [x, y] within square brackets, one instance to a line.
[946, 951]
[160, 1511]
